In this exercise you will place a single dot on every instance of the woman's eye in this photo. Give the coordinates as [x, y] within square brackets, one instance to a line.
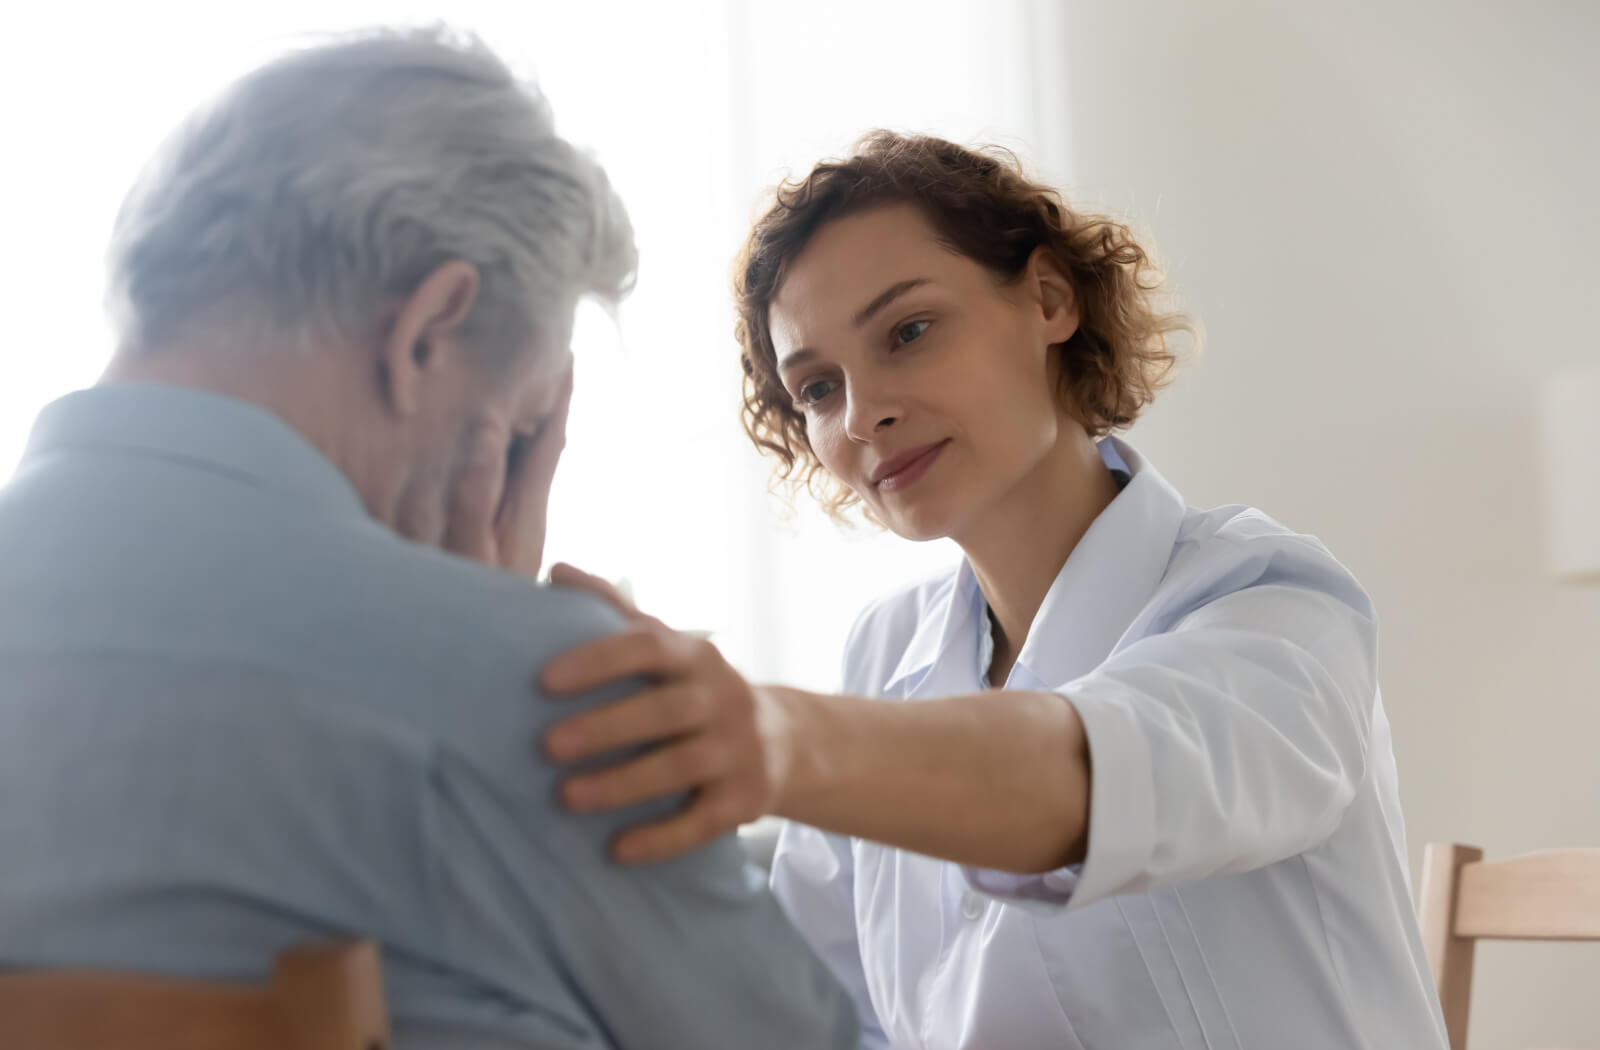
[910, 331]
[811, 393]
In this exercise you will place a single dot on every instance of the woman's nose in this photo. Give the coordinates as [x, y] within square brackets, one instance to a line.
[869, 413]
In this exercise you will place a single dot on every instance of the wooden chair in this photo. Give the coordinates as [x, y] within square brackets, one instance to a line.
[322, 997]
[1552, 895]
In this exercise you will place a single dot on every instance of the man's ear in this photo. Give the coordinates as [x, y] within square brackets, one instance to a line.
[1056, 297]
[425, 330]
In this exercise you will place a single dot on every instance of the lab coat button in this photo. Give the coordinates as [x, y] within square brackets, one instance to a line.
[972, 905]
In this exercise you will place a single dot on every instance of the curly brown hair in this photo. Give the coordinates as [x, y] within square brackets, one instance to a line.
[983, 205]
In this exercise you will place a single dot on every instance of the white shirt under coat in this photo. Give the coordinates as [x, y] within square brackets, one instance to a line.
[1245, 884]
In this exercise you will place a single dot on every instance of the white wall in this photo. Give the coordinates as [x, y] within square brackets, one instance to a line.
[1385, 215]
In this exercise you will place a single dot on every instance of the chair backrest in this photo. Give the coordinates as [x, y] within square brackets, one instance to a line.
[321, 997]
[1552, 895]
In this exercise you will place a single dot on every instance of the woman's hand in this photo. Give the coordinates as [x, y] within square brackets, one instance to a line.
[718, 737]
[500, 502]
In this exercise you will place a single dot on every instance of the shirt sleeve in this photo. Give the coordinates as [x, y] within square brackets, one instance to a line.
[694, 951]
[813, 877]
[1232, 740]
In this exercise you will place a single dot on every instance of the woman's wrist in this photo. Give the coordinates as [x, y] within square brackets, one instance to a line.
[811, 756]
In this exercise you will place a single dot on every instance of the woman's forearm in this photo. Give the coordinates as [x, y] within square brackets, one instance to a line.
[996, 780]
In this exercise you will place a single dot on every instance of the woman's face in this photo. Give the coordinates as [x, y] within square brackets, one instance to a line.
[928, 387]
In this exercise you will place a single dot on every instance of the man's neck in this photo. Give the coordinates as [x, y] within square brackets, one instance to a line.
[309, 390]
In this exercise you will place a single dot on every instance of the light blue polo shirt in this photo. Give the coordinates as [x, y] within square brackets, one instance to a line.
[237, 714]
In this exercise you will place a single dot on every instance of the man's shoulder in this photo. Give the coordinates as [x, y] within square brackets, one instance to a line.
[448, 646]
[483, 610]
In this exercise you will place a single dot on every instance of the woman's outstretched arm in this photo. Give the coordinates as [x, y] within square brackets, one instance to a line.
[998, 779]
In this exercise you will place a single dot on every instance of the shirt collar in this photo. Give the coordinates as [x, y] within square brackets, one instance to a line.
[1109, 577]
[209, 431]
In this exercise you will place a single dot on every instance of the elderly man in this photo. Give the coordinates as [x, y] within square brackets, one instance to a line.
[246, 700]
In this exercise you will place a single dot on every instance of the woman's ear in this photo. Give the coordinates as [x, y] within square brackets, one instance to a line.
[425, 332]
[1057, 299]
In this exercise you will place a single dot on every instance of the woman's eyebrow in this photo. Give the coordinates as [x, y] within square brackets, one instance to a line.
[884, 298]
[797, 357]
[888, 296]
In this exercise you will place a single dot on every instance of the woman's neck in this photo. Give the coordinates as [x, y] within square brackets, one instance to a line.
[1020, 545]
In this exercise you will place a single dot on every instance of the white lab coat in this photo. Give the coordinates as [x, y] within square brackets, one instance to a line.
[1245, 884]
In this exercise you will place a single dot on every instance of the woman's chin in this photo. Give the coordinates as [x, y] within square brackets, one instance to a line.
[919, 523]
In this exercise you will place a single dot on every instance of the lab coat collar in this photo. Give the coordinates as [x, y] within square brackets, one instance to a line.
[1106, 581]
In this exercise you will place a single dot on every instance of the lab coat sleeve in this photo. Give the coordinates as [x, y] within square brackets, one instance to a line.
[1229, 741]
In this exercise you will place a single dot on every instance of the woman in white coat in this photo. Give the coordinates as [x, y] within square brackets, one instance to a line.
[1133, 784]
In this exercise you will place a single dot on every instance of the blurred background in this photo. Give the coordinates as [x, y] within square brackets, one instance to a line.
[1384, 214]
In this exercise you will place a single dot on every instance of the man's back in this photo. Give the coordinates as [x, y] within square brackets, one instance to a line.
[236, 714]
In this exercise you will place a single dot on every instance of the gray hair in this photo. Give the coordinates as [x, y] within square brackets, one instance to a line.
[331, 181]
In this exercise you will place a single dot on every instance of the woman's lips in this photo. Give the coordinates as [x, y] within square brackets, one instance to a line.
[906, 469]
